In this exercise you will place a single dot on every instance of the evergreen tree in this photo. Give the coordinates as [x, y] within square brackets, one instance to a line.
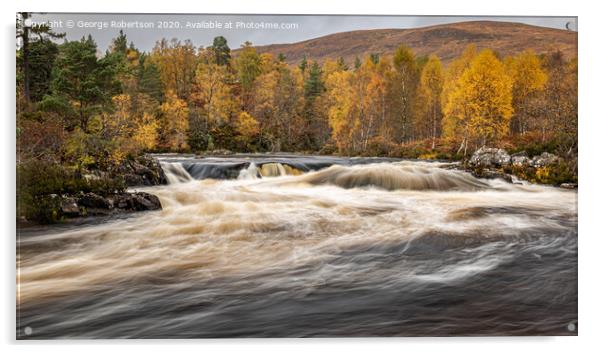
[314, 85]
[119, 44]
[221, 50]
[303, 64]
[341, 64]
[24, 31]
[358, 63]
[374, 57]
[81, 83]
[42, 54]
[149, 79]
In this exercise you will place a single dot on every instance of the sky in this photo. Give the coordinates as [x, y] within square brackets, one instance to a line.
[146, 29]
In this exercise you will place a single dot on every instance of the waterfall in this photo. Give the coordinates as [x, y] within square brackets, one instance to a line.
[251, 172]
[271, 169]
[176, 173]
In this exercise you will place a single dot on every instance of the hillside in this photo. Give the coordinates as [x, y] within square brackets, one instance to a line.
[447, 41]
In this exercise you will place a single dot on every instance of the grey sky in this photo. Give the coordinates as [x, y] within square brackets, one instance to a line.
[302, 26]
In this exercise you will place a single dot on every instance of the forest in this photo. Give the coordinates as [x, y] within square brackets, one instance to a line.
[80, 110]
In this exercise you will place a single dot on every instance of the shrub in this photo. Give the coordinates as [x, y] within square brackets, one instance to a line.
[41, 183]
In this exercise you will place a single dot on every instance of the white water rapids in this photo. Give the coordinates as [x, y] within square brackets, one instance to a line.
[365, 249]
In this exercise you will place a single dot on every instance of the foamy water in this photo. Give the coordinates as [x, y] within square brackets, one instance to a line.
[394, 248]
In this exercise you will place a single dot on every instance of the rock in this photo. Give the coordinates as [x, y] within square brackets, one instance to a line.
[146, 202]
[493, 174]
[221, 152]
[144, 170]
[133, 179]
[69, 207]
[568, 186]
[91, 200]
[490, 157]
[520, 159]
[544, 160]
[139, 201]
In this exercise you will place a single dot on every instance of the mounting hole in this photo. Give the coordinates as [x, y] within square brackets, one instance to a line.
[571, 327]
[28, 331]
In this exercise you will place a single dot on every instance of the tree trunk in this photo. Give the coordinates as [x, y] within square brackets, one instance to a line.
[25, 39]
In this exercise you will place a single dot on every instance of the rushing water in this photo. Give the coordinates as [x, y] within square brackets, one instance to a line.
[310, 246]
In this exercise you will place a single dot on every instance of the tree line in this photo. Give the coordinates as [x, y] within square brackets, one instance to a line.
[88, 110]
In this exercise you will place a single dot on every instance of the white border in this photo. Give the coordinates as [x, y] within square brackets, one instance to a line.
[589, 131]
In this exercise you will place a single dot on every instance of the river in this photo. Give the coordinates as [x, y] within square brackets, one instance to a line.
[302, 246]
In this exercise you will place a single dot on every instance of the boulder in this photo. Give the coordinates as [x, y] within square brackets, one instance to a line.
[144, 170]
[544, 160]
[490, 157]
[91, 200]
[139, 201]
[492, 174]
[146, 202]
[133, 179]
[69, 207]
[520, 159]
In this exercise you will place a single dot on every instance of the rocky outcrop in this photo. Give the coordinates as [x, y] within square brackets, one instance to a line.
[142, 171]
[496, 163]
[487, 157]
[490, 157]
[91, 204]
[544, 160]
[520, 159]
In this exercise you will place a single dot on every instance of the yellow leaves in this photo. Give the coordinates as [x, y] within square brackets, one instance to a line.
[95, 125]
[147, 132]
[481, 101]
[214, 94]
[341, 97]
[77, 148]
[119, 123]
[175, 115]
[428, 108]
[431, 79]
[177, 65]
[247, 125]
[331, 66]
[527, 74]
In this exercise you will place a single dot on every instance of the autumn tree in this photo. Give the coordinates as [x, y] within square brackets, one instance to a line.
[175, 122]
[358, 107]
[341, 97]
[370, 92]
[278, 103]
[482, 100]
[214, 94]
[248, 67]
[247, 127]
[558, 113]
[529, 79]
[451, 126]
[431, 87]
[177, 64]
[402, 92]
